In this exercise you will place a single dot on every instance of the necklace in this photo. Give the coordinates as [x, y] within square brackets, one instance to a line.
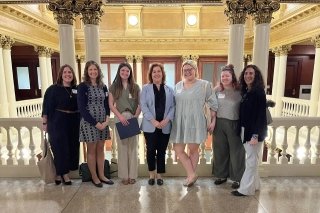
[69, 93]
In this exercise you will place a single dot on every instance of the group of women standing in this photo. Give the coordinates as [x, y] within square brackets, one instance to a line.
[237, 116]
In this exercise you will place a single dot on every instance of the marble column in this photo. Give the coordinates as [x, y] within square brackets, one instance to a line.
[275, 72]
[7, 65]
[43, 68]
[236, 13]
[63, 13]
[49, 67]
[315, 89]
[91, 15]
[4, 110]
[262, 14]
[82, 64]
[283, 51]
[139, 70]
[130, 59]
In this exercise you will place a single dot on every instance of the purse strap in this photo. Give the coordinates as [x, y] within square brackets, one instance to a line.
[45, 145]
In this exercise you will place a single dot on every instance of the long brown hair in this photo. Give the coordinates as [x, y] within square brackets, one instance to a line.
[117, 86]
[86, 78]
[59, 79]
[257, 82]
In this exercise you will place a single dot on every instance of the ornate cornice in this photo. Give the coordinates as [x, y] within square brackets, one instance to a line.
[163, 2]
[162, 40]
[236, 11]
[262, 10]
[41, 50]
[27, 18]
[300, 16]
[6, 42]
[316, 41]
[91, 11]
[63, 11]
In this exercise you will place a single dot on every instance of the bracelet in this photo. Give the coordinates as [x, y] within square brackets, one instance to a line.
[255, 136]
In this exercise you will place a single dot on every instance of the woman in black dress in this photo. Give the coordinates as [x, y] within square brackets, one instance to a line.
[60, 118]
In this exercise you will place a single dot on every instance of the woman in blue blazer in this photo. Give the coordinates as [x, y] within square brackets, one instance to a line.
[157, 106]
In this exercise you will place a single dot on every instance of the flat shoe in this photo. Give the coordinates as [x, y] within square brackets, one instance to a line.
[99, 185]
[160, 182]
[109, 182]
[236, 193]
[132, 181]
[220, 181]
[58, 182]
[151, 181]
[235, 185]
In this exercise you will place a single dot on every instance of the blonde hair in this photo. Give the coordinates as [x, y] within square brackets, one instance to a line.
[193, 64]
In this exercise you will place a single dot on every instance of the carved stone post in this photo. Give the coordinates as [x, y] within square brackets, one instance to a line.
[283, 52]
[91, 15]
[49, 67]
[4, 110]
[42, 53]
[63, 11]
[6, 44]
[315, 89]
[236, 12]
[261, 11]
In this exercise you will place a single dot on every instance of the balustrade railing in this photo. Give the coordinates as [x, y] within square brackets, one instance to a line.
[29, 108]
[294, 107]
[298, 139]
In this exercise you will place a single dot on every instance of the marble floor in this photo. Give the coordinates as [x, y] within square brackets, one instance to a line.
[278, 194]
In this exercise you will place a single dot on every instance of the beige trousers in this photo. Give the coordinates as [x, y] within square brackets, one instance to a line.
[127, 154]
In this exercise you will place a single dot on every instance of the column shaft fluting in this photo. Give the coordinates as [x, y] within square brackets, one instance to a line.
[315, 89]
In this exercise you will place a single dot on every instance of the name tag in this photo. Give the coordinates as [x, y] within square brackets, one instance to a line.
[130, 96]
[179, 91]
[221, 95]
[74, 91]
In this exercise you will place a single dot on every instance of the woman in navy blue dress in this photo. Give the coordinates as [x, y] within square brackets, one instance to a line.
[60, 118]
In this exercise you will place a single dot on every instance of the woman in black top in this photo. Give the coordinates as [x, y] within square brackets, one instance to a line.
[60, 118]
[253, 124]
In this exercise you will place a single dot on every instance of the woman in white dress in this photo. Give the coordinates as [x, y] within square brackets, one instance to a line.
[189, 124]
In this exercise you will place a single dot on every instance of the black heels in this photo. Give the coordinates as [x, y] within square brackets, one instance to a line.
[66, 182]
[58, 182]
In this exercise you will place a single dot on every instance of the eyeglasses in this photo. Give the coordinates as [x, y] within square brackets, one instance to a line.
[188, 70]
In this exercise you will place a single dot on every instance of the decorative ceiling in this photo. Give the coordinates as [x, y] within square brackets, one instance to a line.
[154, 2]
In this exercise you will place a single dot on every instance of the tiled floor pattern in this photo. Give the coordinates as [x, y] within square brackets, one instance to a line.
[278, 194]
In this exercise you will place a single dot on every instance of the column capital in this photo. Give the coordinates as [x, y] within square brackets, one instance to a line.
[190, 57]
[284, 49]
[247, 58]
[63, 11]
[2, 39]
[316, 41]
[138, 58]
[6, 42]
[276, 51]
[262, 10]
[82, 59]
[49, 52]
[90, 10]
[236, 11]
[129, 58]
[41, 50]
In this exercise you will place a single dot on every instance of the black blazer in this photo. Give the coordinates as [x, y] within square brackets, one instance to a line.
[253, 114]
